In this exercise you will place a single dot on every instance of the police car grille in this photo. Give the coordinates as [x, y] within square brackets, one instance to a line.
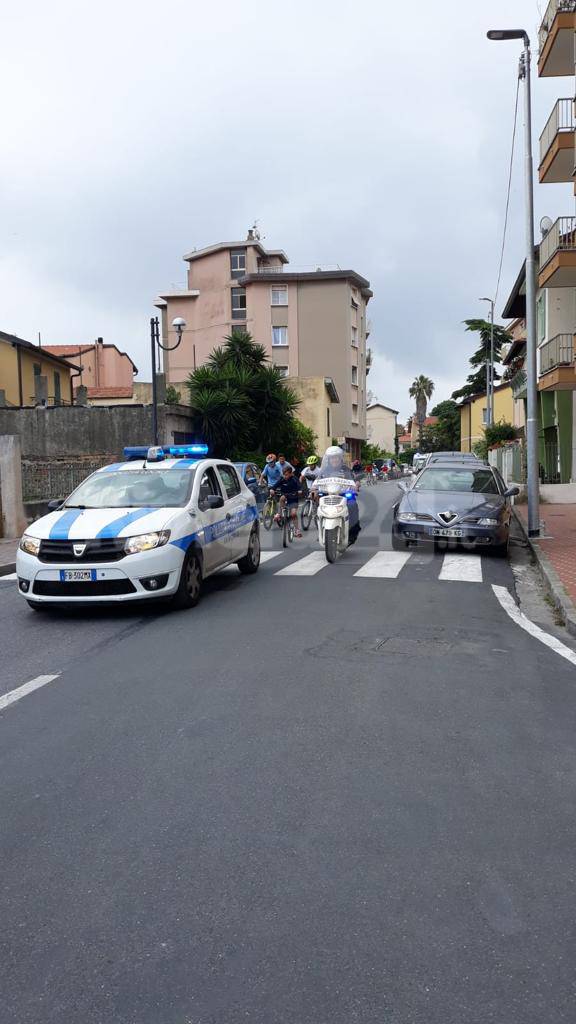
[102, 549]
[96, 588]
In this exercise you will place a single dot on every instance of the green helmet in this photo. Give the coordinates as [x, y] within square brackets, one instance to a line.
[312, 460]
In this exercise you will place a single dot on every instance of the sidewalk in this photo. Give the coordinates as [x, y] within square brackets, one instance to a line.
[555, 552]
[8, 550]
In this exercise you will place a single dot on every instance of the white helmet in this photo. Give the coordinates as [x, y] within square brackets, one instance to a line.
[333, 449]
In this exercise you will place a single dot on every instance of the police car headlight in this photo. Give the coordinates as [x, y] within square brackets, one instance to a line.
[31, 545]
[146, 541]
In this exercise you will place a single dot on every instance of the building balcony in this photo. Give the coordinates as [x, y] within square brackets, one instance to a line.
[557, 144]
[368, 329]
[556, 39]
[518, 384]
[557, 252]
[368, 360]
[557, 370]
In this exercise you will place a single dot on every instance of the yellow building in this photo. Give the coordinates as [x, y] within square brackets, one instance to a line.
[31, 376]
[473, 415]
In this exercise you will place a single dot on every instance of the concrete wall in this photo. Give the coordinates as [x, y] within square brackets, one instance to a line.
[58, 432]
[313, 409]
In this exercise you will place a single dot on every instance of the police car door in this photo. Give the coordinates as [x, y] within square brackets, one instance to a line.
[237, 513]
[212, 521]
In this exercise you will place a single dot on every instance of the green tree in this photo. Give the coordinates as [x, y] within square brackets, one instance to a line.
[446, 432]
[172, 396]
[421, 390]
[239, 402]
[476, 381]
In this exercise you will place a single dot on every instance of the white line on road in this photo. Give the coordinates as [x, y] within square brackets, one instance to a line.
[22, 691]
[385, 565]
[511, 608]
[265, 556]
[9, 578]
[307, 566]
[463, 568]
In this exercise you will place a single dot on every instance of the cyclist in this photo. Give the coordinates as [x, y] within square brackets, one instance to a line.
[333, 465]
[289, 491]
[272, 472]
[283, 462]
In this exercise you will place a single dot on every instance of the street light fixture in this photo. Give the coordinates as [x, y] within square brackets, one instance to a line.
[531, 377]
[179, 325]
[490, 366]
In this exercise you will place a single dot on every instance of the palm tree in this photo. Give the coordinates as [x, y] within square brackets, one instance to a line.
[421, 390]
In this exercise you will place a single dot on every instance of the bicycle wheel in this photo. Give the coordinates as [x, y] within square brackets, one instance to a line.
[268, 514]
[306, 514]
[291, 530]
[285, 532]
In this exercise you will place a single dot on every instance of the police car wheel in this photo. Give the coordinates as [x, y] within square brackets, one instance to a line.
[190, 586]
[249, 564]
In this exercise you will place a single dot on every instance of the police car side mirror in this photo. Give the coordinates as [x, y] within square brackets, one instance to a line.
[54, 504]
[213, 501]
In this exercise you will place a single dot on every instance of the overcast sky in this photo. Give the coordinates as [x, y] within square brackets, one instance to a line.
[372, 135]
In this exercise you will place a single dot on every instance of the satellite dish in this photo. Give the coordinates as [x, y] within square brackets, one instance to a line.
[545, 225]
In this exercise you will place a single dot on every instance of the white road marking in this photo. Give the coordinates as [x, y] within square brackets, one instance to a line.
[265, 556]
[9, 578]
[462, 568]
[511, 608]
[307, 566]
[385, 565]
[22, 691]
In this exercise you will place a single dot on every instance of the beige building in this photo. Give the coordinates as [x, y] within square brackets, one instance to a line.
[311, 322]
[381, 426]
[31, 375]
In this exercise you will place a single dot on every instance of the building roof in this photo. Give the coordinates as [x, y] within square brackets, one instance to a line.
[404, 438]
[46, 350]
[197, 254]
[482, 394]
[315, 275]
[77, 350]
[379, 405]
[517, 348]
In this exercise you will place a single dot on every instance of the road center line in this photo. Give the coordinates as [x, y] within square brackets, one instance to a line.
[511, 608]
[22, 691]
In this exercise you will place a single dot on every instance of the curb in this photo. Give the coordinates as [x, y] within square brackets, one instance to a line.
[551, 578]
[6, 570]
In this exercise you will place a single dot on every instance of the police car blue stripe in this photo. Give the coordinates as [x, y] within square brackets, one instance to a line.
[184, 542]
[184, 462]
[62, 526]
[113, 529]
[110, 469]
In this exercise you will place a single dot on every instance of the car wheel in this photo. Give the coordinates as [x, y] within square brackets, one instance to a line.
[251, 561]
[399, 543]
[190, 585]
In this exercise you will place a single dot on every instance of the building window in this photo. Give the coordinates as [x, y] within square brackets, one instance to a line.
[328, 430]
[484, 415]
[37, 370]
[57, 389]
[355, 337]
[237, 262]
[279, 336]
[541, 317]
[238, 303]
[279, 296]
[283, 370]
[355, 375]
[354, 414]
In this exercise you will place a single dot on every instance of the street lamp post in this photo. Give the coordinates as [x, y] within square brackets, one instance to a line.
[178, 324]
[490, 367]
[531, 376]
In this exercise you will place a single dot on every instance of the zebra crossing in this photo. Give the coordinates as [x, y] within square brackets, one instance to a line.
[389, 565]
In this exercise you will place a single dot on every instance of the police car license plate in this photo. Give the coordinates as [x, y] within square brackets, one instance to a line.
[446, 533]
[77, 575]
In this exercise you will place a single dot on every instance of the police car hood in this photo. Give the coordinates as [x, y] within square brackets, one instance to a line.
[86, 524]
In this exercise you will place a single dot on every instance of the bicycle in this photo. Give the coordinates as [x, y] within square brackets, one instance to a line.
[308, 512]
[269, 510]
[286, 523]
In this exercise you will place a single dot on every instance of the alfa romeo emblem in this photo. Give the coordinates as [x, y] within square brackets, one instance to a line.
[448, 516]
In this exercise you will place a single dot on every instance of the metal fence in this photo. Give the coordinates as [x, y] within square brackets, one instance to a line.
[554, 7]
[559, 351]
[561, 237]
[561, 120]
[510, 461]
[43, 481]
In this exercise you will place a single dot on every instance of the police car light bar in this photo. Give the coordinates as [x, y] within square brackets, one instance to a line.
[158, 453]
[187, 449]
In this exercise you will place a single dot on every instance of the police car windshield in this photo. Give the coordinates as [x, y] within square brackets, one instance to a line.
[139, 488]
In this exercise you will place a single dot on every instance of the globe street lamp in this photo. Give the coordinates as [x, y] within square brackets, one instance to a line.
[178, 325]
[531, 376]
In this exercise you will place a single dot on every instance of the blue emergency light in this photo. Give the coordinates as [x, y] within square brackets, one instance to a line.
[158, 453]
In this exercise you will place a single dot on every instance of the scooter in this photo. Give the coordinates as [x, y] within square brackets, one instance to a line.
[333, 516]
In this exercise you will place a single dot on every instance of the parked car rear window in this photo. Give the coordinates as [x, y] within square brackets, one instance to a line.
[463, 480]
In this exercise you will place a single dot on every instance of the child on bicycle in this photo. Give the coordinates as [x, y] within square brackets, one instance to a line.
[289, 490]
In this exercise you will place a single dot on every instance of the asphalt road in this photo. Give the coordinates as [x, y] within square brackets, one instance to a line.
[314, 799]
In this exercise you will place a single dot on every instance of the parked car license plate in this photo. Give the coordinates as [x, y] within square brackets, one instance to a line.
[77, 575]
[439, 532]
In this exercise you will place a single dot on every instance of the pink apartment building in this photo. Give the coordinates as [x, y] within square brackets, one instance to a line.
[107, 373]
[312, 323]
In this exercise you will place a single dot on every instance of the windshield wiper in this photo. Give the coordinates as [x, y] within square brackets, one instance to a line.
[79, 506]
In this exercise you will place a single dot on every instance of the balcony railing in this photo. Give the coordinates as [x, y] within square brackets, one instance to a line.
[554, 7]
[518, 384]
[312, 268]
[560, 238]
[561, 120]
[559, 351]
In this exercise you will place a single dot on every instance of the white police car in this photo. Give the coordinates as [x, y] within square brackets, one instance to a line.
[153, 526]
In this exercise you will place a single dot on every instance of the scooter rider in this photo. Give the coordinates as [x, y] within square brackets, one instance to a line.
[333, 465]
